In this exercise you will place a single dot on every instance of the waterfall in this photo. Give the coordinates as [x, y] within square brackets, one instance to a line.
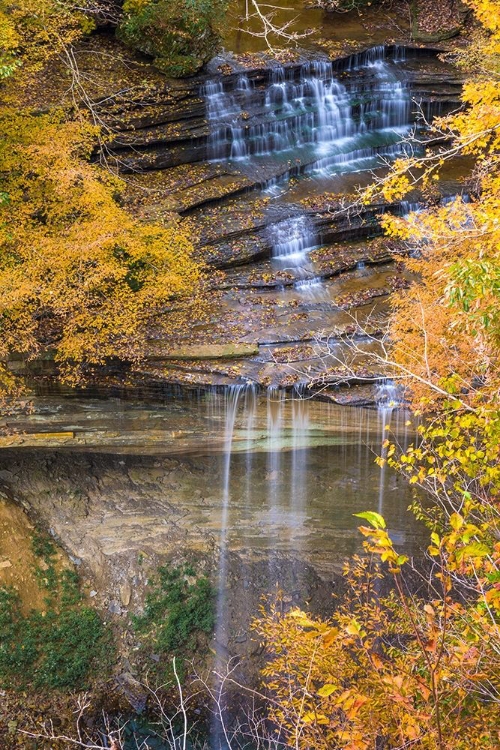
[308, 107]
[447, 199]
[275, 403]
[289, 469]
[225, 112]
[298, 475]
[292, 240]
[233, 396]
[388, 397]
[313, 110]
[409, 207]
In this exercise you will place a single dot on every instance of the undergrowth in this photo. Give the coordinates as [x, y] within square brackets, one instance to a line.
[59, 648]
[178, 613]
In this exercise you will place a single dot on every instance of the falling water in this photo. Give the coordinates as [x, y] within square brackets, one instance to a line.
[225, 112]
[409, 207]
[275, 404]
[388, 397]
[383, 117]
[250, 407]
[233, 396]
[298, 476]
[372, 56]
[346, 124]
[292, 240]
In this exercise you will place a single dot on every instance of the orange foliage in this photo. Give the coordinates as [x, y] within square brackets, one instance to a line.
[78, 275]
[406, 670]
[446, 327]
[389, 671]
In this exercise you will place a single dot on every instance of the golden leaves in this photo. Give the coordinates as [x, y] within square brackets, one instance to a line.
[77, 273]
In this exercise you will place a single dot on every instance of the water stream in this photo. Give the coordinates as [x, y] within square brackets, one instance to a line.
[294, 472]
[340, 125]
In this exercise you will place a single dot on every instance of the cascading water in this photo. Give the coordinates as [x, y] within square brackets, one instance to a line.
[372, 56]
[225, 112]
[298, 479]
[292, 240]
[274, 477]
[320, 118]
[234, 395]
[383, 117]
[309, 108]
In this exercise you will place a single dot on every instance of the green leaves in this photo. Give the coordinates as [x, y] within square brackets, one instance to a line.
[180, 34]
[177, 610]
[59, 649]
[327, 690]
[373, 518]
[475, 549]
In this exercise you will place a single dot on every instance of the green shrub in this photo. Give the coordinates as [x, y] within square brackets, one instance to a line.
[54, 650]
[177, 610]
[180, 34]
[60, 648]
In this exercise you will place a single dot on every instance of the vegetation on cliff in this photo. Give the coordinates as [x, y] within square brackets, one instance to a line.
[179, 615]
[64, 646]
[180, 34]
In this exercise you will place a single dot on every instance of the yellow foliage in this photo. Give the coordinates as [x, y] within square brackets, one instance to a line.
[78, 275]
[446, 326]
[398, 669]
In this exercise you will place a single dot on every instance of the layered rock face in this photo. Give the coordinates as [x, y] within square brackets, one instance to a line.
[264, 163]
[272, 483]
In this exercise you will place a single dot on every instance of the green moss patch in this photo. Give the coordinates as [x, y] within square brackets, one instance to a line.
[179, 614]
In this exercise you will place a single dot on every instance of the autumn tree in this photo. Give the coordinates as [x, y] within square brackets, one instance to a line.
[79, 276]
[396, 670]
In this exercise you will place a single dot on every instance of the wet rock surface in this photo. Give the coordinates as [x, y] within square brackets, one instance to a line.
[240, 183]
[127, 475]
[296, 472]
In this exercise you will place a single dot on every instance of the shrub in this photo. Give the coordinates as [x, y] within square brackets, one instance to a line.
[59, 648]
[180, 34]
[177, 610]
